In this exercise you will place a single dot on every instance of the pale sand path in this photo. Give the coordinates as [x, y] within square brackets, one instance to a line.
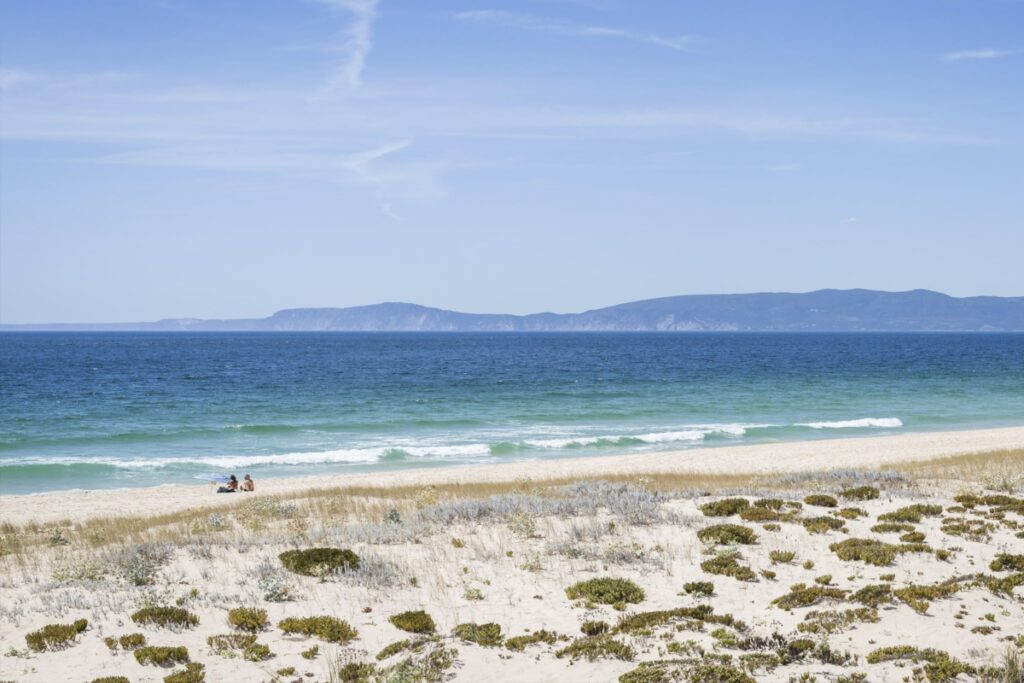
[760, 458]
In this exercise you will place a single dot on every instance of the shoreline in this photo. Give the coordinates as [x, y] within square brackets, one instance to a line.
[791, 456]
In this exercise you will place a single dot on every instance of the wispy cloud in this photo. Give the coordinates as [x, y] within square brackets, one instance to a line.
[530, 22]
[976, 55]
[356, 42]
[12, 78]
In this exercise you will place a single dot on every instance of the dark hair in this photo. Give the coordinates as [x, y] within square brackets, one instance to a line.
[232, 478]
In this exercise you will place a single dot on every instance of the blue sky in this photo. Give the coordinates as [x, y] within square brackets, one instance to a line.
[213, 158]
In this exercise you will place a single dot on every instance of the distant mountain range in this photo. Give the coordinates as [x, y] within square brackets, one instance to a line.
[825, 310]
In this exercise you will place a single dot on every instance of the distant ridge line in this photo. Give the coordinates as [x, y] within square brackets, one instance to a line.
[824, 310]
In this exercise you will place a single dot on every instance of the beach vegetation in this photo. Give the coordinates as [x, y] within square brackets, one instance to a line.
[257, 652]
[319, 562]
[354, 672]
[310, 653]
[939, 666]
[821, 500]
[194, 672]
[821, 525]
[860, 493]
[699, 588]
[728, 564]
[248, 619]
[759, 514]
[727, 534]
[919, 597]
[597, 647]
[873, 595]
[892, 528]
[725, 507]
[486, 635]
[802, 595]
[55, 636]
[165, 617]
[328, 629]
[606, 591]
[912, 537]
[594, 628]
[911, 514]
[827, 622]
[718, 673]
[228, 643]
[162, 655]
[873, 551]
[413, 621]
[520, 643]
[110, 679]
[782, 556]
[851, 513]
[1005, 562]
[128, 642]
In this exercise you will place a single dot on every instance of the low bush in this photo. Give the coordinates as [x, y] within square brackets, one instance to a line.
[606, 591]
[110, 679]
[873, 551]
[642, 622]
[1006, 562]
[597, 647]
[130, 641]
[874, 595]
[769, 503]
[718, 673]
[229, 642]
[248, 619]
[256, 653]
[821, 501]
[759, 514]
[520, 643]
[319, 561]
[311, 653]
[920, 597]
[725, 507]
[414, 621]
[55, 636]
[939, 666]
[782, 556]
[827, 622]
[911, 514]
[165, 617]
[851, 513]
[594, 628]
[702, 588]
[821, 525]
[860, 493]
[727, 564]
[487, 635]
[892, 528]
[193, 672]
[801, 595]
[912, 537]
[325, 628]
[727, 534]
[162, 655]
[357, 672]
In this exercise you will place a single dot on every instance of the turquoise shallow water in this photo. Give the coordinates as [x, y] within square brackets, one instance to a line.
[136, 409]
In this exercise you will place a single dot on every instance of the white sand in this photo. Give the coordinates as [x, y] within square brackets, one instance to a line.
[762, 458]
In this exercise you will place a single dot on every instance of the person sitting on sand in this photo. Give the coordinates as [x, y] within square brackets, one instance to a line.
[248, 484]
[230, 487]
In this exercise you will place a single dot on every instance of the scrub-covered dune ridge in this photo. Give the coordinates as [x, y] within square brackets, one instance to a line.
[906, 572]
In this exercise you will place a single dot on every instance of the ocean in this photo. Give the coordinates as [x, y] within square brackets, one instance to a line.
[109, 410]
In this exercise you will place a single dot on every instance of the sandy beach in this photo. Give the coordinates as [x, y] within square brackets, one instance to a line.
[866, 452]
[890, 559]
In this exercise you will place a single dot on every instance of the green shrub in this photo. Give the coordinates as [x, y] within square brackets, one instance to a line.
[359, 672]
[594, 628]
[851, 513]
[415, 621]
[919, 597]
[912, 537]
[873, 551]
[892, 528]
[801, 595]
[286, 671]
[55, 636]
[193, 672]
[939, 666]
[319, 561]
[487, 635]
[727, 564]
[725, 507]
[759, 514]
[642, 622]
[325, 628]
[256, 653]
[1006, 562]
[821, 525]
[110, 679]
[827, 622]
[782, 556]
[648, 672]
[248, 619]
[860, 493]
[727, 534]
[165, 617]
[162, 655]
[230, 641]
[769, 503]
[311, 653]
[874, 595]
[823, 580]
[821, 500]
[520, 643]
[718, 673]
[704, 588]
[606, 591]
[597, 647]
[911, 513]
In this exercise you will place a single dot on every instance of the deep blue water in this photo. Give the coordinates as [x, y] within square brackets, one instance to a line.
[96, 410]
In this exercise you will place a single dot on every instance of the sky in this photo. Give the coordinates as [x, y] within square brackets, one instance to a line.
[229, 158]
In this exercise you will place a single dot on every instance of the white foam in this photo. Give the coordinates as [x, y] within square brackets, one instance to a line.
[570, 441]
[446, 451]
[888, 422]
[668, 437]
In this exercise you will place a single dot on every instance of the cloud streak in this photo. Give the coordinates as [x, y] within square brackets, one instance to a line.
[976, 55]
[356, 43]
[530, 22]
